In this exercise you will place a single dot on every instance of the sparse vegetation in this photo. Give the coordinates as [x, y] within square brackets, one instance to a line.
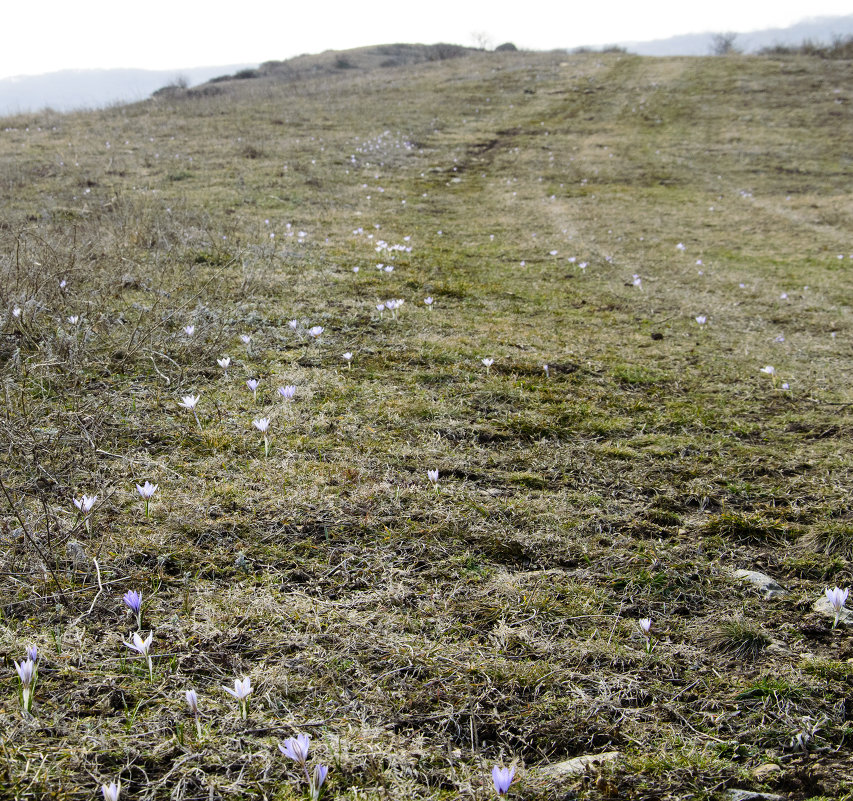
[430, 564]
[840, 47]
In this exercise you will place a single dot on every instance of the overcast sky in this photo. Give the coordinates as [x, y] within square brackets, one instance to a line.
[165, 34]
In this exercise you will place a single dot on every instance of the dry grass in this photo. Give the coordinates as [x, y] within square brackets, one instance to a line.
[421, 635]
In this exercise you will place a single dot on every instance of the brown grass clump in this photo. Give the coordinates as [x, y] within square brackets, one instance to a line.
[833, 539]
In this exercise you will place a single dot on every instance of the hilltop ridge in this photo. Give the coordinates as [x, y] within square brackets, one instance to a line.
[329, 63]
[70, 89]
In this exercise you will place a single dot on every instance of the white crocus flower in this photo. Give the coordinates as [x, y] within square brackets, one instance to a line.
[147, 491]
[27, 674]
[189, 401]
[242, 690]
[85, 503]
[143, 647]
[111, 791]
[837, 598]
[263, 424]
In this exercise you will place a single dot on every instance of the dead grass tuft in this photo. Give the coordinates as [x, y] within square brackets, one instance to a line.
[739, 638]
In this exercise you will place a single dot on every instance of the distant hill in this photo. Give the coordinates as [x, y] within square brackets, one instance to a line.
[76, 89]
[360, 58]
[817, 29]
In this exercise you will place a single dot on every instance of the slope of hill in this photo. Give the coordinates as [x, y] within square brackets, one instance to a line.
[632, 379]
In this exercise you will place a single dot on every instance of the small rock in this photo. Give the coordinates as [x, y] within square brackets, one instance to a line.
[766, 772]
[762, 582]
[77, 554]
[778, 647]
[822, 605]
[752, 795]
[576, 766]
[242, 563]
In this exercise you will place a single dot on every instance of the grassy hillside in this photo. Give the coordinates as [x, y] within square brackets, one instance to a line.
[580, 212]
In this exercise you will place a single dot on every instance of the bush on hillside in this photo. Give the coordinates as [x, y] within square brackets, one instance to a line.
[723, 44]
[841, 47]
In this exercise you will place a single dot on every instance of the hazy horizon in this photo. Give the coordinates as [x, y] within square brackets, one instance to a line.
[51, 33]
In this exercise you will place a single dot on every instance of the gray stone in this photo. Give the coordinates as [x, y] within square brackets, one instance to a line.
[77, 554]
[577, 766]
[767, 586]
[752, 795]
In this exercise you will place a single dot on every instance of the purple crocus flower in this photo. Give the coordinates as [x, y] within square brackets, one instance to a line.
[320, 773]
[26, 672]
[502, 778]
[316, 780]
[133, 601]
[296, 748]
